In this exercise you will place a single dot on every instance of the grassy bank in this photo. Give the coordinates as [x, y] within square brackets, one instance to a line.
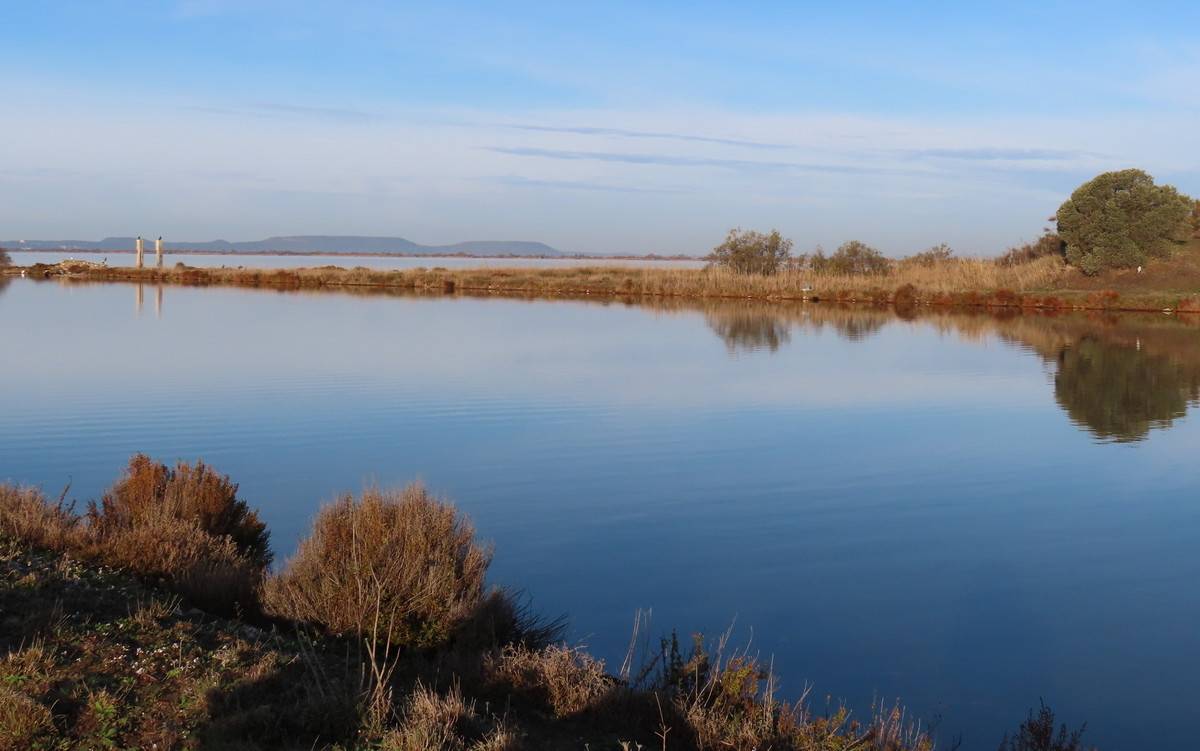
[1038, 283]
[152, 621]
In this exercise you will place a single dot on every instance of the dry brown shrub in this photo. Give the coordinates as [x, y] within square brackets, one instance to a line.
[402, 565]
[210, 571]
[720, 698]
[446, 722]
[23, 721]
[27, 516]
[569, 681]
[150, 490]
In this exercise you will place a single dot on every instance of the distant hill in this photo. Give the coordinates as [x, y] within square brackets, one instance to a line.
[330, 244]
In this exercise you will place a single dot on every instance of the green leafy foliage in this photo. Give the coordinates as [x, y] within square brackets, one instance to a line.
[748, 252]
[1121, 220]
[931, 257]
[852, 258]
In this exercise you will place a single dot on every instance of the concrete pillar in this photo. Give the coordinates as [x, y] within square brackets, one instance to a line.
[158, 251]
[140, 248]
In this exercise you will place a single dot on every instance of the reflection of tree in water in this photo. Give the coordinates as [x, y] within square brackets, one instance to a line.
[4, 282]
[759, 327]
[1119, 391]
[858, 326]
[749, 329]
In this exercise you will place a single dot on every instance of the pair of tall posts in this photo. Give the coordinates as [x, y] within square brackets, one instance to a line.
[141, 252]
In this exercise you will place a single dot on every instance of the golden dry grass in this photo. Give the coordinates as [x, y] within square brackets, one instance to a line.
[24, 723]
[27, 515]
[955, 275]
[569, 681]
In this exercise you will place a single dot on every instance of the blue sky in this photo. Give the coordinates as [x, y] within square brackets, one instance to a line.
[614, 127]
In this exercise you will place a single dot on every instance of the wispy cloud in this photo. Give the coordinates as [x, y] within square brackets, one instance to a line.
[669, 160]
[993, 154]
[623, 133]
[527, 182]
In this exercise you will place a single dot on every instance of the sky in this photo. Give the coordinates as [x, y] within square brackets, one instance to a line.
[594, 127]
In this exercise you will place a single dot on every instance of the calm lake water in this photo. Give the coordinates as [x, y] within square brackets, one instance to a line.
[963, 512]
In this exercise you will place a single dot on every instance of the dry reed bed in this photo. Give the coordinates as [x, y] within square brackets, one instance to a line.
[1038, 284]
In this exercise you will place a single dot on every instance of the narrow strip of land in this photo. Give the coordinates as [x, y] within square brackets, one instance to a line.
[1046, 283]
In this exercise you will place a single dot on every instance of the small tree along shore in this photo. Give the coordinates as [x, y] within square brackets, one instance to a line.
[748, 252]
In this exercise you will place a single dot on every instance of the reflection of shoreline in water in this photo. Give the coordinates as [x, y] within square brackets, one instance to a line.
[1117, 376]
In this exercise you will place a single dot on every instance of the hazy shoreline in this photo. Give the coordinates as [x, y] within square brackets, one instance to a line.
[1035, 286]
[365, 254]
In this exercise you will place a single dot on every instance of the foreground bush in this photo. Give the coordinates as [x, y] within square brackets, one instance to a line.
[91, 657]
[749, 252]
[401, 567]
[182, 526]
[568, 681]
[1038, 733]
[151, 494]
[26, 515]
[1121, 220]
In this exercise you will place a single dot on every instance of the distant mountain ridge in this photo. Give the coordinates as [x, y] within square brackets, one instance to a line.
[325, 244]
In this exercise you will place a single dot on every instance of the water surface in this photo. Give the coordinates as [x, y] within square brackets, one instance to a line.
[963, 512]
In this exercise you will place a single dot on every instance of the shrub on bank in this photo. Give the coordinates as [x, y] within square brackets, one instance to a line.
[938, 254]
[1049, 244]
[183, 526]
[26, 515]
[397, 566]
[748, 252]
[1121, 220]
[184, 678]
[5, 258]
[852, 258]
[150, 493]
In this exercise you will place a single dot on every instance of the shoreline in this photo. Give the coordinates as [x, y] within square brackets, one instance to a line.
[626, 283]
[365, 254]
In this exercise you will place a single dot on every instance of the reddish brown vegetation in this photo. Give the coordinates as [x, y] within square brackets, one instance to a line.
[406, 555]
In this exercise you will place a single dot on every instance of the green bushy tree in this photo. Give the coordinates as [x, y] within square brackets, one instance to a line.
[1122, 219]
[930, 257]
[852, 258]
[748, 252]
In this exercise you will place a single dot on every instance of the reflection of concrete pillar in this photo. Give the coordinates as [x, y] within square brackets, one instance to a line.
[158, 294]
[158, 251]
[141, 298]
[140, 250]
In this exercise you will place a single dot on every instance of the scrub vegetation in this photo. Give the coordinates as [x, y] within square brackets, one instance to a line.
[1122, 243]
[379, 633]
